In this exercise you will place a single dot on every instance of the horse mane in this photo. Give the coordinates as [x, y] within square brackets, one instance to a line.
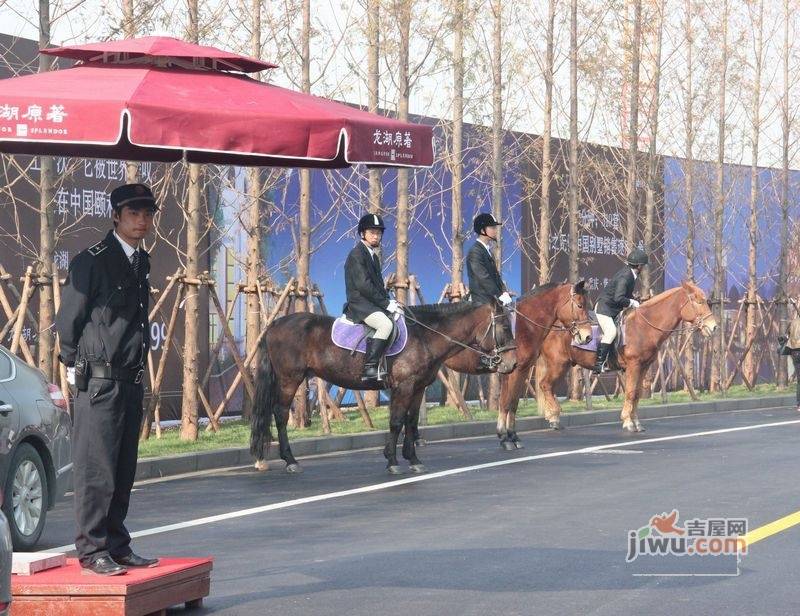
[434, 313]
[544, 288]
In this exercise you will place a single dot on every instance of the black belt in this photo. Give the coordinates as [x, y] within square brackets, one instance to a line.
[101, 370]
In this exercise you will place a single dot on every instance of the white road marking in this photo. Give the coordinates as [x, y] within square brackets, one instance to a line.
[386, 485]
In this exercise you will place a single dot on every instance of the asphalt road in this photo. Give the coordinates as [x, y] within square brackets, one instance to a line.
[545, 534]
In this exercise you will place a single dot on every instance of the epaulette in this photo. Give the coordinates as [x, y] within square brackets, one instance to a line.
[98, 248]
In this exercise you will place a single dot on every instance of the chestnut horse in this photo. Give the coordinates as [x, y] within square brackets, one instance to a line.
[299, 346]
[549, 308]
[646, 329]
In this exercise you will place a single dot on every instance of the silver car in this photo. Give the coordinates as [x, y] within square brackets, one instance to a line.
[35, 448]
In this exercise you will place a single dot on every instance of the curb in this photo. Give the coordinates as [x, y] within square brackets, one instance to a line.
[180, 464]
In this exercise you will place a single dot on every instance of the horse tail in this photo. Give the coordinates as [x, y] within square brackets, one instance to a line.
[264, 405]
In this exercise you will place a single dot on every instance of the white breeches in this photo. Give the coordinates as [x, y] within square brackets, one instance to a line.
[381, 324]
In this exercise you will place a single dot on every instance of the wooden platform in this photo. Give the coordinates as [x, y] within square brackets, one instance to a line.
[67, 591]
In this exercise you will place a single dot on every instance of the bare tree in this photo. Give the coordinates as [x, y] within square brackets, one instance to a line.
[719, 360]
[749, 365]
[633, 129]
[373, 85]
[191, 349]
[544, 201]
[456, 156]
[783, 265]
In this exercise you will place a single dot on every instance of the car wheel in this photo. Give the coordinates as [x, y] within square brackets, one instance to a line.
[25, 502]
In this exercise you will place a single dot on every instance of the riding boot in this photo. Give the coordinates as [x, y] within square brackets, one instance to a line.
[372, 360]
[602, 356]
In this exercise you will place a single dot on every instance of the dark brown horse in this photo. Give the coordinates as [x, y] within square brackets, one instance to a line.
[551, 307]
[299, 346]
[646, 329]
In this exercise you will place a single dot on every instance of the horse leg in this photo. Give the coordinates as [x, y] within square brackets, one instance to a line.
[637, 389]
[632, 380]
[548, 371]
[281, 420]
[511, 387]
[397, 414]
[412, 434]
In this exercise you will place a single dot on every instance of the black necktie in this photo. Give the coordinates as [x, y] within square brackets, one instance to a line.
[376, 261]
[136, 261]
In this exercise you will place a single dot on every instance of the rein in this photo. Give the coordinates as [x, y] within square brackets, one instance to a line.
[491, 359]
[695, 324]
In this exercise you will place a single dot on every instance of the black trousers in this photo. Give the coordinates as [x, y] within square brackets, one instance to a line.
[796, 361]
[105, 448]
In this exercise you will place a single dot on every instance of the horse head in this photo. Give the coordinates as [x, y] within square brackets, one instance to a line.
[696, 309]
[571, 311]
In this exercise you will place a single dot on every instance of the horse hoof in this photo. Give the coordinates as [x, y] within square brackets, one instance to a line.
[261, 465]
[629, 427]
[507, 445]
[555, 425]
[420, 442]
[418, 468]
[518, 445]
[639, 427]
[294, 468]
[394, 469]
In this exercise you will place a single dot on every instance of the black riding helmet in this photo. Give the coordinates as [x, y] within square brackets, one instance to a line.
[637, 257]
[370, 221]
[482, 221]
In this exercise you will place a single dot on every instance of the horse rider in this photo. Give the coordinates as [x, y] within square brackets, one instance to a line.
[484, 277]
[615, 297]
[790, 345]
[368, 300]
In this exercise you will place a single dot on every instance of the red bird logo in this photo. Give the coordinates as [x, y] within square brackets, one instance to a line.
[665, 524]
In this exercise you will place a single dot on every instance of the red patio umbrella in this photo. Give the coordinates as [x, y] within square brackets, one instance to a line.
[161, 99]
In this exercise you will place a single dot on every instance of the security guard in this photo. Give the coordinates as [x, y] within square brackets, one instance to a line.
[368, 300]
[615, 297]
[104, 334]
[484, 278]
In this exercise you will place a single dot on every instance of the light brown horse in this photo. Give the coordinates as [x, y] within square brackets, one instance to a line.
[550, 308]
[646, 329]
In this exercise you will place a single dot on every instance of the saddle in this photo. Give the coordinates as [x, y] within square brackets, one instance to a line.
[353, 336]
[619, 341]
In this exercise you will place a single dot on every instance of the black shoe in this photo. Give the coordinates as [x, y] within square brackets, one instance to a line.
[132, 560]
[602, 356]
[103, 565]
[372, 360]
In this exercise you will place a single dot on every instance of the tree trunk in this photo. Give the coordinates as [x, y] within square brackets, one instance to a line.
[573, 142]
[544, 201]
[688, 177]
[719, 361]
[456, 163]
[300, 417]
[652, 160]
[373, 84]
[633, 130]
[191, 350]
[44, 268]
[403, 12]
[129, 30]
[253, 319]
[782, 377]
[749, 367]
[497, 158]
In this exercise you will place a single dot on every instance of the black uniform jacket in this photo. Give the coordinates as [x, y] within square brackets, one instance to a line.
[366, 292]
[617, 294]
[484, 279]
[103, 314]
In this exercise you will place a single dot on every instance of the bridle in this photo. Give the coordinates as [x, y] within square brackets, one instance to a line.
[695, 324]
[491, 359]
[572, 328]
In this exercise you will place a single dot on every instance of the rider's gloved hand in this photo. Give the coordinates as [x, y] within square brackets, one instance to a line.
[393, 307]
[634, 303]
[71, 376]
[505, 298]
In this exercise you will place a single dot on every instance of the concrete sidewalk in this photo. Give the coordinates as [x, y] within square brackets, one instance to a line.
[166, 466]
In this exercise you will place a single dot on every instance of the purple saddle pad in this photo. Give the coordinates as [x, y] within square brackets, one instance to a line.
[353, 336]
